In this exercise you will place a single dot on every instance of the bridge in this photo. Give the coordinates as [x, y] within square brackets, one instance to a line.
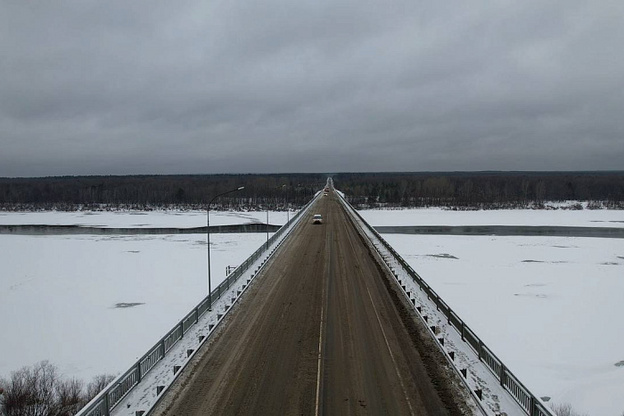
[323, 319]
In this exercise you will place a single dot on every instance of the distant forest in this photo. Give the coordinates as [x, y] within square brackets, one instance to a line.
[482, 190]
[459, 190]
[159, 191]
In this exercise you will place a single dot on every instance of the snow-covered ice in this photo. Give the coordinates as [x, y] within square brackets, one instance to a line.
[439, 216]
[68, 299]
[143, 219]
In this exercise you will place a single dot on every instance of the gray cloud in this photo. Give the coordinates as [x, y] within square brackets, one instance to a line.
[117, 87]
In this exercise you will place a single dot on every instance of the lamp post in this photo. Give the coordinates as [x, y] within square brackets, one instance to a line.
[208, 238]
[287, 206]
[267, 228]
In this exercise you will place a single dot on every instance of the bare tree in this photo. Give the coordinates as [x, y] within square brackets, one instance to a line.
[40, 391]
[97, 385]
[565, 409]
[69, 397]
[31, 391]
[1, 398]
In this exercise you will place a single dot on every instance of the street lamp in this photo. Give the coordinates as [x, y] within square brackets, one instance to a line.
[267, 227]
[208, 238]
[287, 206]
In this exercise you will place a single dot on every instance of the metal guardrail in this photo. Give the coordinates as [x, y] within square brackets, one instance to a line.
[105, 401]
[531, 405]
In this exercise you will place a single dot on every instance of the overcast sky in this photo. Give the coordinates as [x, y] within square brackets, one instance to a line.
[227, 86]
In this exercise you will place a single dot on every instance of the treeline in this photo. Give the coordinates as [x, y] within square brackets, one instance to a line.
[148, 192]
[41, 390]
[461, 190]
[466, 190]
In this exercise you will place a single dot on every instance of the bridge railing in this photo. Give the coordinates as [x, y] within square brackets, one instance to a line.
[105, 401]
[531, 405]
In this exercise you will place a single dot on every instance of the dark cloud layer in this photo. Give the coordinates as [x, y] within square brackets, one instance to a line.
[120, 87]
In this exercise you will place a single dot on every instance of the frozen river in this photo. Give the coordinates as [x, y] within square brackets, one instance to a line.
[550, 307]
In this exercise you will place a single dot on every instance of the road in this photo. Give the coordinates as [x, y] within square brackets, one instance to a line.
[318, 333]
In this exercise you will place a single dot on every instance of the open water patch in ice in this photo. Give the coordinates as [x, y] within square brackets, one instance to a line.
[123, 305]
[243, 215]
[532, 295]
[542, 261]
[443, 256]
[19, 284]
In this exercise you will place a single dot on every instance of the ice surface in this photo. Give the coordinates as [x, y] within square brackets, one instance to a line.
[60, 295]
[142, 219]
[439, 216]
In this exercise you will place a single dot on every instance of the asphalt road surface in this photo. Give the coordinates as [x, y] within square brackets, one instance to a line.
[320, 332]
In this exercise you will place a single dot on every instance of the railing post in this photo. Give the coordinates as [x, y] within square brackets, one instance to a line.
[106, 404]
[138, 372]
[502, 375]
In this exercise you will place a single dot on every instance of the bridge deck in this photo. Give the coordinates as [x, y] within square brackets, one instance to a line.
[318, 333]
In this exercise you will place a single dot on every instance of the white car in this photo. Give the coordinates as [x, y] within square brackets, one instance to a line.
[317, 219]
